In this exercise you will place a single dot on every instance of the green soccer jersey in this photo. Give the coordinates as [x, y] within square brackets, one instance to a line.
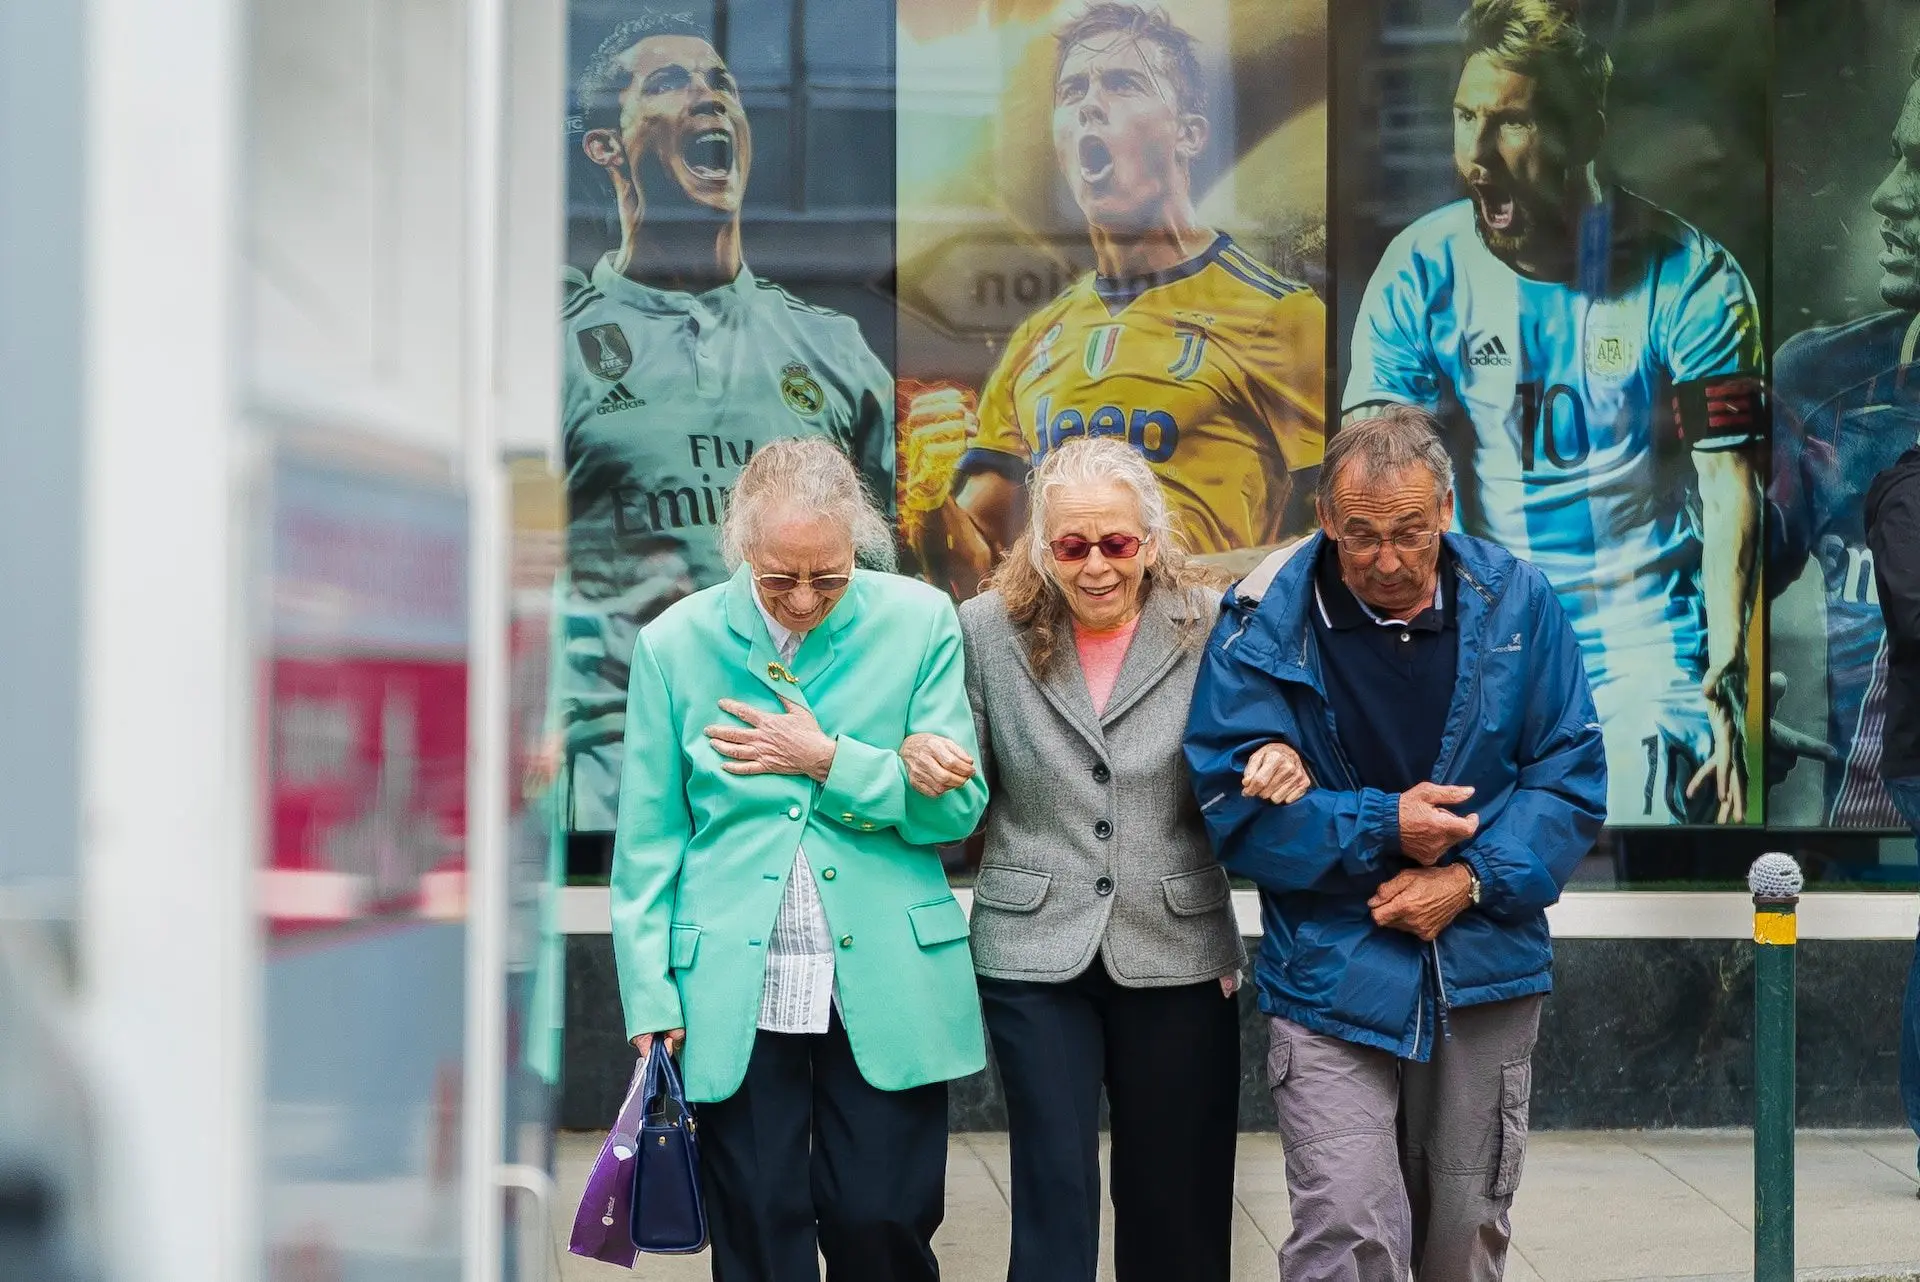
[664, 397]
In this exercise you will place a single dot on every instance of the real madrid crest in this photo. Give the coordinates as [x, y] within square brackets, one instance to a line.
[800, 390]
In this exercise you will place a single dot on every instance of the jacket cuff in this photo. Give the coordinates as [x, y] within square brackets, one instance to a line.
[1379, 831]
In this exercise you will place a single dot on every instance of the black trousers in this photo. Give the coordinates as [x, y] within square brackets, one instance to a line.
[806, 1154]
[1170, 1060]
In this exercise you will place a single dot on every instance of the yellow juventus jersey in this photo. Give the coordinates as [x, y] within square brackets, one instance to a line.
[1215, 370]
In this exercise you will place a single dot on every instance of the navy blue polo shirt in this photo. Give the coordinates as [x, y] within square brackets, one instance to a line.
[1388, 681]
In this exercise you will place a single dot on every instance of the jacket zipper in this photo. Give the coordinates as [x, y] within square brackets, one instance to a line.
[1442, 1006]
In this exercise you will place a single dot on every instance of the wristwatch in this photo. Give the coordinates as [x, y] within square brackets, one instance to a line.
[1473, 886]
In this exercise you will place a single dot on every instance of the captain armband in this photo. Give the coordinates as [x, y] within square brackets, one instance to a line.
[1720, 413]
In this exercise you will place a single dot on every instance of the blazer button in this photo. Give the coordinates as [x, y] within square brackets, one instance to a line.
[1100, 772]
[793, 812]
[1102, 829]
[846, 817]
[1104, 886]
[846, 941]
[827, 873]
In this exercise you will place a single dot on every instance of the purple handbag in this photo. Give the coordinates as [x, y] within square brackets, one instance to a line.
[603, 1227]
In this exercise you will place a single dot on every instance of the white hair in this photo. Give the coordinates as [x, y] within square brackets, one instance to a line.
[803, 476]
[1092, 461]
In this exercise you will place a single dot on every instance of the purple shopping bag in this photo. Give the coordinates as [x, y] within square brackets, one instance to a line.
[603, 1227]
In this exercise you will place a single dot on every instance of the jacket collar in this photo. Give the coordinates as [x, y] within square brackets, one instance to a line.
[1151, 654]
[1278, 594]
[815, 655]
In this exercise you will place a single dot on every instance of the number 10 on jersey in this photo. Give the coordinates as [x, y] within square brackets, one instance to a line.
[1553, 427]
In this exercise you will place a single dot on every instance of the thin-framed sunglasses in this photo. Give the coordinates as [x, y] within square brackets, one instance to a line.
[781, 584]
[1407, 542]
[1115, 547]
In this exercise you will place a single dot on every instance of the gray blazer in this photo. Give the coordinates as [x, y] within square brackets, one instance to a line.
[1093, 840]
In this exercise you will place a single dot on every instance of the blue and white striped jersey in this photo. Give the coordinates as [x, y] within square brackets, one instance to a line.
[1565, 390]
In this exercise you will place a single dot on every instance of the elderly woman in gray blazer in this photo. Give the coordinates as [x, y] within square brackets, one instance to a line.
[1103, 932]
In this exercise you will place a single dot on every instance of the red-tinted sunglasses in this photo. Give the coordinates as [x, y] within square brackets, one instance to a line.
[1115, 547]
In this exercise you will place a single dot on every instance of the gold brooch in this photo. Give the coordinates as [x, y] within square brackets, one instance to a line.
[778, 673]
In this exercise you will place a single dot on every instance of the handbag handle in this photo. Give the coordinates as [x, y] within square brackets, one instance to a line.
[662, 1073]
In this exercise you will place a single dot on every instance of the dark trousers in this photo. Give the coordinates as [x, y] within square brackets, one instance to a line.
[1170, 1060]
[1906, 796]
[807, 1154]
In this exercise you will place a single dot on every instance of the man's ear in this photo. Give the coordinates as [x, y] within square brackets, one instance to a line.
[1446, 511]
[1326, 519]
[1195, 130]
[603, 148]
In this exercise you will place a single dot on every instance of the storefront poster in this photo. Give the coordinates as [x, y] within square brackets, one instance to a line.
[1111, 222]
[1552, 234]
[730, 184]
[1847, 285]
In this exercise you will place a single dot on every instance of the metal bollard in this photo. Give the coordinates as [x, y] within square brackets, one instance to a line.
[1775, 881]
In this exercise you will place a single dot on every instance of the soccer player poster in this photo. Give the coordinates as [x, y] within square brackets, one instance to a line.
[1112, 223]
[1568, 285]
[730, 179]
[1847, 291]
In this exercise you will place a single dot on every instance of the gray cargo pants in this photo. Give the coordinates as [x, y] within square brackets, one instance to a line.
[1394, 1165]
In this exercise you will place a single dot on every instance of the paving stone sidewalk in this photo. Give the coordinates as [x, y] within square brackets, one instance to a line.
[1594, 1206]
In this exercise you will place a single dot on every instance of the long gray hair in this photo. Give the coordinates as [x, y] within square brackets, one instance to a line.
[1033, 596]
[805, 475]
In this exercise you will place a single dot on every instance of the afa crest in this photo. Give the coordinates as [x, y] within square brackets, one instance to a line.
[1610, 354]
[801, 390]
[605, 350]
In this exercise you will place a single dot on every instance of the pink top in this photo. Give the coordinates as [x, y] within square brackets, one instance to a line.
[1101, 654]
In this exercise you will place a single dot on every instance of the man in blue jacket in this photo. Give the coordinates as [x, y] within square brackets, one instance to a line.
[1433, 686]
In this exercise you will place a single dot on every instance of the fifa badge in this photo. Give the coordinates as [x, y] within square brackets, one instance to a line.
[800, 390]
[604, 348]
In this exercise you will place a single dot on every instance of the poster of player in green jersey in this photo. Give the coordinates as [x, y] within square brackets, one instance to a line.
[730, 208]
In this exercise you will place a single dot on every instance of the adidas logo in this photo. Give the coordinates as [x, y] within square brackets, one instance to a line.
[1492, 352]
[619, 399]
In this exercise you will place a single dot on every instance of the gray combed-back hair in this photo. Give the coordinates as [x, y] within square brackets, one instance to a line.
[1389, 438]
[1033, 597]
[804, 476]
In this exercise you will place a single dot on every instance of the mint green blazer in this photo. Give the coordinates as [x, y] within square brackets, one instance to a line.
[701, 857]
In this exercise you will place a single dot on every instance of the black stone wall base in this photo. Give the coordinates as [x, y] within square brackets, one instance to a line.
[1638, 1033]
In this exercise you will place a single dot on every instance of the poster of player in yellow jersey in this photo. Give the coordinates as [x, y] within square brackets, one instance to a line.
[1111, 222]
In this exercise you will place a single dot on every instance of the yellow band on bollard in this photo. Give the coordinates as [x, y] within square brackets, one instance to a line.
[1775, 928]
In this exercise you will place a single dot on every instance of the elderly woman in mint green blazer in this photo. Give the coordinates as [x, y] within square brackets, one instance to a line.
[777, 898]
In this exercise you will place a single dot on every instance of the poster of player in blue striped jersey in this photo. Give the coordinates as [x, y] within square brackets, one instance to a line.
[1112, 222]
[1847, 390]
[730, 193]
[1570, 287]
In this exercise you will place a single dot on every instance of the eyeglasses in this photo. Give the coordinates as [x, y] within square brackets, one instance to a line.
[781, 584]
[1115, 547]
[1406, 542]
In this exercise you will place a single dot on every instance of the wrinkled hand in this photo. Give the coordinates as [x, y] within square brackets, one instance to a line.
[935, 764]
[1275, 773]
[1422, 901]
[542, 766]
[676, 1038]
[772, 743]
[1428, 832]
[1726, 764]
